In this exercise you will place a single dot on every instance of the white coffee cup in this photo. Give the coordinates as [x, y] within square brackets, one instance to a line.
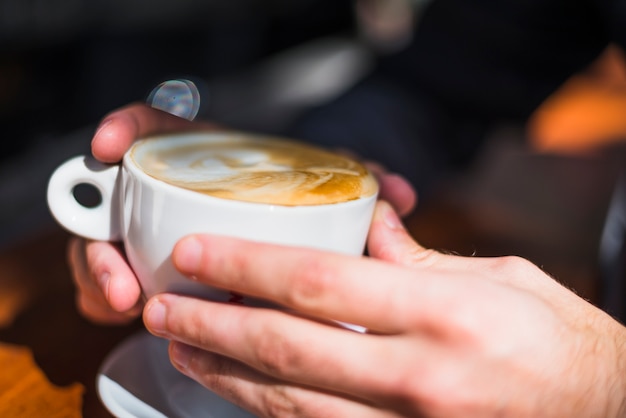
[150, 215]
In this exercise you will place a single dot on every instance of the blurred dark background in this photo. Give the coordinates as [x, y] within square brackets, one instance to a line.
[65, 63]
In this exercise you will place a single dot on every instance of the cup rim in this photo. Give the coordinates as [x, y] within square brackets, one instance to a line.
[193, 136]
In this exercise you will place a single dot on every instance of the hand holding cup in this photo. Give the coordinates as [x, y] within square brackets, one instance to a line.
[225, 183]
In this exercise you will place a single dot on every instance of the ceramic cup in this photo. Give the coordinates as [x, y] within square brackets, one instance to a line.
[150, 211]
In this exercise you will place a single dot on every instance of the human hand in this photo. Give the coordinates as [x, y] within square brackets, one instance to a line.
[107, 289]
[449, 336]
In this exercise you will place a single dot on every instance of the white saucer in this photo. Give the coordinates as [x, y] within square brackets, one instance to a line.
[137, 380]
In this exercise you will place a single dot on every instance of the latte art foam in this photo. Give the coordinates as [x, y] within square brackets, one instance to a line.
[254, 169]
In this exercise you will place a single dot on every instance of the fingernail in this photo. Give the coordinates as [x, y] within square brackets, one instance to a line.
[181, 354]
[391, 219]
[103, 282]
[155, 316]
[187, 255]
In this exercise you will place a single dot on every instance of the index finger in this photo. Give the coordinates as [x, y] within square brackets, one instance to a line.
[120, 128]
[375, 294]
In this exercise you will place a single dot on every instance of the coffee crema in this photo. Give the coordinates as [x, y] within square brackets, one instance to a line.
[254, 168]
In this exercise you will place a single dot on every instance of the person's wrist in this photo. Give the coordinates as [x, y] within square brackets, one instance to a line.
[620, 373]
[615, 370]
[599, 374]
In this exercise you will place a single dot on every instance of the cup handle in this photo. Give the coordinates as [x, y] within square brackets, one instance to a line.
[100, 222]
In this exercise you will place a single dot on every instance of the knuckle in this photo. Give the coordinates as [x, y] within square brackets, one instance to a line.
[427, 392]
[217, 377]
[407, 252]
[310, 285]
[279, 403]
[425, 256]
[513, 268]
[408, 391]
[275, 354]
[190, 324]
[237, 266]
[290, 401]
[515, 262]
[522, 273]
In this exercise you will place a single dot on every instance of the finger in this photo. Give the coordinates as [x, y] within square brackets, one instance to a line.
[389, 240]
[394, 189]
[325, 285]
[337, 287]
[258, 393]
[119, 129]
[77, 261]
[113, 276]
[90, 300]
[284, 346]
[98, 311]
[397, 191]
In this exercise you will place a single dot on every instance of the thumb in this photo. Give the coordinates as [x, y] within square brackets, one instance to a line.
[390, 241]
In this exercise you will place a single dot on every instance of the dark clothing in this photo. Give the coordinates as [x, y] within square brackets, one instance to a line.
[472, 65]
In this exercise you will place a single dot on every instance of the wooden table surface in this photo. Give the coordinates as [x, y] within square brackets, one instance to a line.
[37, 309]
[38, 312]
